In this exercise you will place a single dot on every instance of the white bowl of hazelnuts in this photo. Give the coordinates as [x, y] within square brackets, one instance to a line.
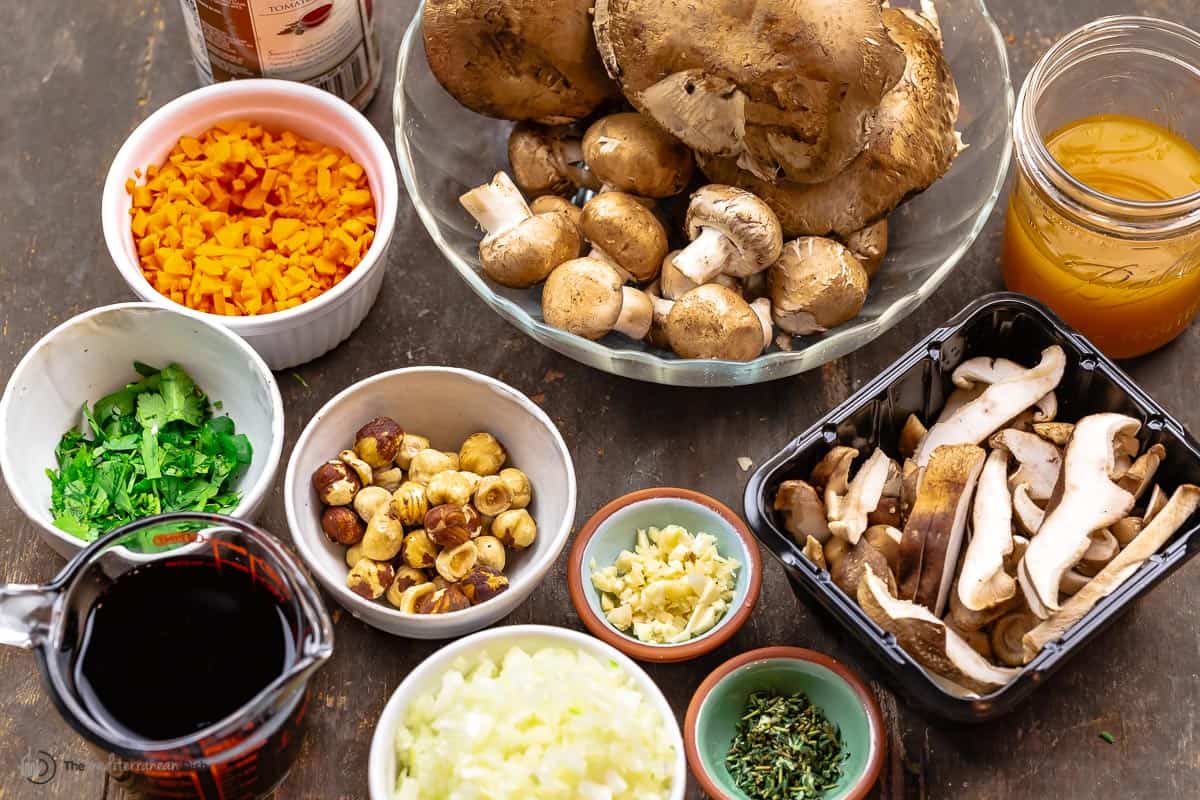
[430, 501]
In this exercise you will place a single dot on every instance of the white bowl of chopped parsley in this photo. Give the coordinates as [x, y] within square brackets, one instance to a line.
[132, 410]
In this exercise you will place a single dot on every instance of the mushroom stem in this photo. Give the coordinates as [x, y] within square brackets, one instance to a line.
[637, 312]
[496, 206]
[762, 307]
[706, 256]
[600, 255]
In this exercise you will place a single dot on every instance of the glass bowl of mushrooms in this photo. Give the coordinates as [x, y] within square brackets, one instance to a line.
[693, 229]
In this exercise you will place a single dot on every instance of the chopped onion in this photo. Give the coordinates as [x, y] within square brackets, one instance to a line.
[554, 724]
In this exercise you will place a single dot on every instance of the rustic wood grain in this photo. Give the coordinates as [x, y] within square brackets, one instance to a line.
[75, 78]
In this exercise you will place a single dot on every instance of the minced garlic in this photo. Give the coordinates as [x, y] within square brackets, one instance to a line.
[673, 587]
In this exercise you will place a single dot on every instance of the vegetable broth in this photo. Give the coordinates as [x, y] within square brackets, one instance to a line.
[1129, 297]
[177, 645]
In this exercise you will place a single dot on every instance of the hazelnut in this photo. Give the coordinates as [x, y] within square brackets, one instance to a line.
[491, 552]
[472, 478]
[492, 496]
[384, 536]
[369, 500]
[481, 453]
[410, 445]
[454, 563]
[353, 554]
[406, 577]
[441, 582]
[428, 463]
[336, 483]
[451, 525]
[361, 468]
[342, 525]
[412, 595]
[378, 442]
[418, 550]
[409, 503]
[449, 487]
[482, 584]
[442, 601]
[370, 579]
[389, 479]
[518, 484]
[515, 528]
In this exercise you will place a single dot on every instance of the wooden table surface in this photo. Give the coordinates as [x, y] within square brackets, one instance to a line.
[75, 78]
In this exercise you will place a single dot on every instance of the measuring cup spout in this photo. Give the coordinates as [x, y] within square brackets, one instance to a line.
[25, 614]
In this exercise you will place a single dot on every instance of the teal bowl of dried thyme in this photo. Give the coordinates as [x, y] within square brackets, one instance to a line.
[784, 723]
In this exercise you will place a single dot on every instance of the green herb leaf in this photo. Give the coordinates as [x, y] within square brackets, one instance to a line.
[300, 379]
[1108, 737]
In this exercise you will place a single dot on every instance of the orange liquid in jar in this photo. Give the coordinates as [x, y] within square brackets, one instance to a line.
[1129, 297]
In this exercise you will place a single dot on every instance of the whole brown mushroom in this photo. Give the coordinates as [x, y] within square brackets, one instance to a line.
[712, 321]
[625, 234]
[629, 153]
[815, 285]
[869, 245]
[732, 232]
[519, 248]
[517, 59]
[586, 297]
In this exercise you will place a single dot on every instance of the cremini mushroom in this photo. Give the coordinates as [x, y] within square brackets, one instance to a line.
[1102, 548]
[517, 60]
[982, 581]
[1137, 479]
[933, 534]
[869, 245]
[802, 511]
[535, 153]
[731, 231]
[910, 143]
[783, 87]
[519, 248]
[1174, 514]
[1007, 633]
[816, 284]
[551, 203]
[762, 309]
[629, 152]
[674, 284]
[711, 321]
[849, 571]
[1039, 462]
[1028, 513]
[848, 514]
[984, 371]
[1000, 402]
[1089, 501]
[928, 640]
[585, 297]
[625, 234]
[911, 435]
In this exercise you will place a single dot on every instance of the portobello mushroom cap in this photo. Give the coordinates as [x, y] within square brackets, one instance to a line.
[911, 143]
[517, 59]
[781, 87]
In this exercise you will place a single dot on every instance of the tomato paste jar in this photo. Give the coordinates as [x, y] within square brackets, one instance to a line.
[329, 44]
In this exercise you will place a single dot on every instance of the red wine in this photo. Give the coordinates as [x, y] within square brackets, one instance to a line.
[174, 646]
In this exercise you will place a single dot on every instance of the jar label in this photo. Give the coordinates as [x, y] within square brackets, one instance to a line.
[329, 44]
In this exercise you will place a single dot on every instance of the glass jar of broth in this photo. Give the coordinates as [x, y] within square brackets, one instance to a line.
[1103, 222]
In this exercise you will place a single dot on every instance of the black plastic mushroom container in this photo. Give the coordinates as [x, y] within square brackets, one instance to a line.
[1018, 328]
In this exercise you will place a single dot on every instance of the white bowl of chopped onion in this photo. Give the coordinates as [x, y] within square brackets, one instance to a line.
[532, 712]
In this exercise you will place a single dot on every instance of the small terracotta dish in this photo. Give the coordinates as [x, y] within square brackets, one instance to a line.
[614, 528]
[716, 707]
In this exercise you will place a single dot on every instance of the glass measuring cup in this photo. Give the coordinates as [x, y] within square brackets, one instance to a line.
[242, 756]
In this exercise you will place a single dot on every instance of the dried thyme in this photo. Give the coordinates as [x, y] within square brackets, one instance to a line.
[785, 749]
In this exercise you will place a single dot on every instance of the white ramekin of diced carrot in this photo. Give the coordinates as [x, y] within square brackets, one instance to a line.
[265, 205]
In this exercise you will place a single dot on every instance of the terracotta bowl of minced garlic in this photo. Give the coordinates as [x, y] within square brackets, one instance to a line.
[664, 574]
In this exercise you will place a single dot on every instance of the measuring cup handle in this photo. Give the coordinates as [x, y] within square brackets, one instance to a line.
[25, 612]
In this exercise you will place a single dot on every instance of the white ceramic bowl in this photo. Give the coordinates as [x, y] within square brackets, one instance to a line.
[381, 767]
[284, 338]
[445, 405]
[92, 355]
